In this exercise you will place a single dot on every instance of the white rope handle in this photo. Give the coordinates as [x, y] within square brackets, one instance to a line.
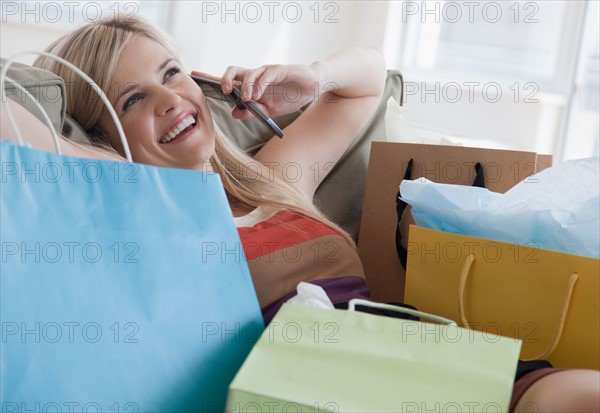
[40, 108]
[85, 77]
[357, 301]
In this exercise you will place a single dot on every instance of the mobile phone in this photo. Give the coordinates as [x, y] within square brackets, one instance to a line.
[212, 88]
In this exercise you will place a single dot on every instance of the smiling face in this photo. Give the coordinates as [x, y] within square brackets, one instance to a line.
[163, 112]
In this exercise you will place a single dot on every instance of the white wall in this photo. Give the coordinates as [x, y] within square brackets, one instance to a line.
[16, 38]
[211, 39]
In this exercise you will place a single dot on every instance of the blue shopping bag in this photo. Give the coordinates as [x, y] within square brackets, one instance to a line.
[123, 287]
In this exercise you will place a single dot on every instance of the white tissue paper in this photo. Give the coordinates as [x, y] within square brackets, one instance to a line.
[311, 295]
[557, 209]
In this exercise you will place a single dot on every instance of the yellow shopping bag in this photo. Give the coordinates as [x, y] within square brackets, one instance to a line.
[550, 300]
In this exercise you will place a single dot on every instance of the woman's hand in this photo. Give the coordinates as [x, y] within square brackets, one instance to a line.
[277, 89]
[345, 89]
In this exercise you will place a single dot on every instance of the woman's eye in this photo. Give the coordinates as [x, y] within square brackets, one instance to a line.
[172, 72]
[133, 99]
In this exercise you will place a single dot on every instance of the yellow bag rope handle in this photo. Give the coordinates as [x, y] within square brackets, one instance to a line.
[563, 315]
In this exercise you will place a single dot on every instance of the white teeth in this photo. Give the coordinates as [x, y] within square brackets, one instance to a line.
[176, 130]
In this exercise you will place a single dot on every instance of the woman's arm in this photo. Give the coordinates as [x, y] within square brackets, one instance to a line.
[345, 90]
[37, 134]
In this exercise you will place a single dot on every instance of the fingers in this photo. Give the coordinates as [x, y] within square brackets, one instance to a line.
[257, 81]
[206, 75]
[252, 83]
[246, 78]
[249, 88]
[233, 75]
[269, 76]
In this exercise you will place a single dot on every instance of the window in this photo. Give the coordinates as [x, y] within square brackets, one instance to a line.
[519, 62]
[512, 40]
[583, 127]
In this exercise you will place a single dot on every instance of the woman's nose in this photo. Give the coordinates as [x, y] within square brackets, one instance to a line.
[166, 99]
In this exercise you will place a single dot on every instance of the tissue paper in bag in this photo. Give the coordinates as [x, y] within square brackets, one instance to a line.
[556, 209]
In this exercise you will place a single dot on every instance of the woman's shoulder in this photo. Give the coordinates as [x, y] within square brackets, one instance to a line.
[263, 217]
[251, 217]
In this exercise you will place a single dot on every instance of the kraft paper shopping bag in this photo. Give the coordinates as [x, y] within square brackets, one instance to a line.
[502, 169]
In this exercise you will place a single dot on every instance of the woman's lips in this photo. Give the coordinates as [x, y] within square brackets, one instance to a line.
[184, 134]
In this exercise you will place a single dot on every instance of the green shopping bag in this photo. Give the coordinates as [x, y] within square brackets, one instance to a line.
[316, 360]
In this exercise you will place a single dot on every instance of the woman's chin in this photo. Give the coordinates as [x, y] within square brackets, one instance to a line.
[194, 157]
[194, 148]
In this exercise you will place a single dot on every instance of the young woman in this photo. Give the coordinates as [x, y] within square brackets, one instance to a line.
[168, 123]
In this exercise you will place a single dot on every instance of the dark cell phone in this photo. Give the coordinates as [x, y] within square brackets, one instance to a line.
[212, 88]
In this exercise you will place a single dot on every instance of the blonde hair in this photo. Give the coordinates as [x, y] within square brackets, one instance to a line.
[95, 49]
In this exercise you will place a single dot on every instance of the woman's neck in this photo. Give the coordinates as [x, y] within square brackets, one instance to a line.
[239, 208]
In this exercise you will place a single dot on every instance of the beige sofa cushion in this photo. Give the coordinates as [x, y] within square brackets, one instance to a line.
[45, 86]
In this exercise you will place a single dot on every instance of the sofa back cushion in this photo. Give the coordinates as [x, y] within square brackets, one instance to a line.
[47, 88]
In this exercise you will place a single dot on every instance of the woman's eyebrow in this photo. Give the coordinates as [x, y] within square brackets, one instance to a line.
[166, 62]
[129, 88]
[133, 86]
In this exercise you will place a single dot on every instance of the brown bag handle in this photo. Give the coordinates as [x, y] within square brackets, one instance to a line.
[479, 182]
[563, 314]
